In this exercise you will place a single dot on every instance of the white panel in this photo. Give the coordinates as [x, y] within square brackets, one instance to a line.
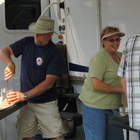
[58, 20]
[123, 14]
[82, 30]
[7, 39]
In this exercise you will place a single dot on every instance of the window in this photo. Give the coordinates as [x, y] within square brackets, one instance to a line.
[20, 13]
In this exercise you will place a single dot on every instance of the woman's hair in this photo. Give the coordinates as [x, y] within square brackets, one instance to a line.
[108, 30]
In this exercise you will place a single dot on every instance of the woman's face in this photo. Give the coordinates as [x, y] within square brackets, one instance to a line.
[112, 43]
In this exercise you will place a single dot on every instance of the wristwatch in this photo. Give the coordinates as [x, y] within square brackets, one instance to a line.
[25, 96]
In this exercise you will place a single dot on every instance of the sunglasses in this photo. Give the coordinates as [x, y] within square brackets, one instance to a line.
[113, 40]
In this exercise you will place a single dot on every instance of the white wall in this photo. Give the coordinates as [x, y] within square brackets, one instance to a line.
[81, 35]
[123, 14]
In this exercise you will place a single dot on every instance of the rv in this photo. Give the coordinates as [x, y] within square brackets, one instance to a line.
[79, 23]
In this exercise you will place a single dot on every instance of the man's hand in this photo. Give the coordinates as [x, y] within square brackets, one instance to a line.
[15, 97]
[9, 72]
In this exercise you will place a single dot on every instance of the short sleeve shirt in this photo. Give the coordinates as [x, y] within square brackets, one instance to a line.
[36, 63]
[103, 67]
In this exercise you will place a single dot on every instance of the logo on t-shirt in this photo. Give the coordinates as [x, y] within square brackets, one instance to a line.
[39, 61]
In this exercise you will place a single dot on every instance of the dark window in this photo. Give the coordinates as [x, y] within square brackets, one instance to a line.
[20, 13]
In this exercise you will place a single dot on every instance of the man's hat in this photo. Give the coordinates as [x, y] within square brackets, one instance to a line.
[43, 25]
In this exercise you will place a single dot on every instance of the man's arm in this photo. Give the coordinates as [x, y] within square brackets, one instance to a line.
[5, 57]
[101, 86]
[16, 97]
[123, 82]
[42, 87]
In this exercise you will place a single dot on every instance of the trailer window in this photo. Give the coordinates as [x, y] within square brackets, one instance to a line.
[20, 13]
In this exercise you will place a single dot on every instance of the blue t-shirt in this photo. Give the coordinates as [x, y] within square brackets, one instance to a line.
[36, 63]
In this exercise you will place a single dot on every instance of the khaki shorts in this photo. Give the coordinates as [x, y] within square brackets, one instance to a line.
[45, 114]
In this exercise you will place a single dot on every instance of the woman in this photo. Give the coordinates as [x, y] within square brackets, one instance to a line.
[102, 91]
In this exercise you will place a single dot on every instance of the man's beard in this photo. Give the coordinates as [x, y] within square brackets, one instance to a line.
[38, 42]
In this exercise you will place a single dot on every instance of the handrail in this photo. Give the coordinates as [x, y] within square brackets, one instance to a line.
[49, 7]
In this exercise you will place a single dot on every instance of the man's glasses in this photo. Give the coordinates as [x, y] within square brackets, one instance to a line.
[113, 40]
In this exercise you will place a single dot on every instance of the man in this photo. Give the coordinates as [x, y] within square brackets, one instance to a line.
[129, 71]
[40, 65]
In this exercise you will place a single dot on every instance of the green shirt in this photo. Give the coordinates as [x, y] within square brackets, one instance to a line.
[103, 67]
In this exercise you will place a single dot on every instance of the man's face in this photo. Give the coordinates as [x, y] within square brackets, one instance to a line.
[42, 39]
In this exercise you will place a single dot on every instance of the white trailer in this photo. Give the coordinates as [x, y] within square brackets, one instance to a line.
[80, 23]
